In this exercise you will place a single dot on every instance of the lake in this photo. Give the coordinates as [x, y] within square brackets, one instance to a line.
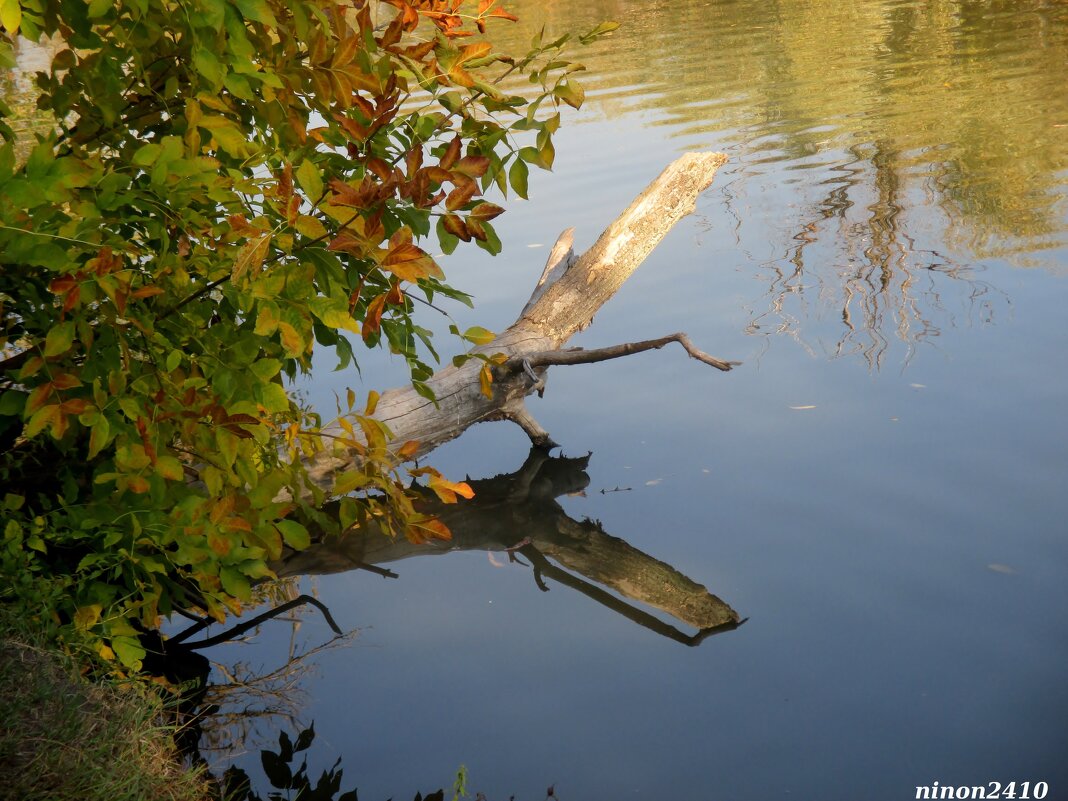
[880, 490]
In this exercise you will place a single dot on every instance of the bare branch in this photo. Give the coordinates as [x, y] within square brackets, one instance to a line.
[581, 356]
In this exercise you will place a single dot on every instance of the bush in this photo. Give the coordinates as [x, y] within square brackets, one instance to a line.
[228, 185]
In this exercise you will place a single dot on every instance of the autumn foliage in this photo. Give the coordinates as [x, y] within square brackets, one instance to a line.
[229, 186]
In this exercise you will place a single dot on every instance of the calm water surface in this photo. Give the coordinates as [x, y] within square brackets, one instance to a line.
[881, 489]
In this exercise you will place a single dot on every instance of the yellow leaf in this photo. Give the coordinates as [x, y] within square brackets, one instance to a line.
[311, 227]
[11, 16]
[291, 340]
[87, 616]
[485, 381]
[349, 481]
[170, 468]
[448, 490]
[250, 258]
[372, 402]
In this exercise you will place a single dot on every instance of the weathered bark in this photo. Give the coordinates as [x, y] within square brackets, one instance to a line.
[567, 297]
[518, 514]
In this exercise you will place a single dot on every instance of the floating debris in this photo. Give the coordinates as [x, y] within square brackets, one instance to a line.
[999, 568]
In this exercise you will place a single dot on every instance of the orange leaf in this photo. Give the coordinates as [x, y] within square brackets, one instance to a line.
[472, 166]
[455, 226]
[431, 528]
[38, 398]
[410, 263]
[486, 211]
[66, 381]
[372, 320]
[448, 490]
[459, 196]
[138, 484]
[74, 406]
[350, 242]
[408, 449]
[452, 153]
[146, 292]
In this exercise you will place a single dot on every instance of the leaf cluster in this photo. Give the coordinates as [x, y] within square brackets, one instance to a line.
[228, 185]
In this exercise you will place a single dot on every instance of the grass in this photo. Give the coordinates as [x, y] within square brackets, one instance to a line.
[63, 738]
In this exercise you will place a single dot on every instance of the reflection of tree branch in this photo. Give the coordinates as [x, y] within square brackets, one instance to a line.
[241, 628]
[232, 709]
[520, 509]
[544, 568]
[876, 288]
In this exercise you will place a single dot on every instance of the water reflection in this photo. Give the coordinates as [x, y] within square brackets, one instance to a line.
[517, 515]
[883, 147]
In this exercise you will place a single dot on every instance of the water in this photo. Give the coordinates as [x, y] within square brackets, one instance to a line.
[879, 489]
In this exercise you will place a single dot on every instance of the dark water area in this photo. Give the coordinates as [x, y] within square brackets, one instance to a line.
[881, 489]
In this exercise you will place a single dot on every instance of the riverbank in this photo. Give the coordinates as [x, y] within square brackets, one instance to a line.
[65, 738]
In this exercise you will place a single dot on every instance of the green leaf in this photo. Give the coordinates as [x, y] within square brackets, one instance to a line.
[146, 155]
[571, 93]
[479, 335]
[206, 63]
[274, 398]
[129, 651]
[170, 468]
[517, 177]
[99, 435]
[599, 31]
[266, 369]
[59, 339]
[12, 403]
[295, 535]
[236, 583]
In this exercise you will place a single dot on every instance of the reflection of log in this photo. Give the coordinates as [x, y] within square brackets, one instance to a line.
[569, 294]
[518, 513]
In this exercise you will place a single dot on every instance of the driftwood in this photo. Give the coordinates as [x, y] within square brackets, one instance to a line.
[568, 295]
[517, 515]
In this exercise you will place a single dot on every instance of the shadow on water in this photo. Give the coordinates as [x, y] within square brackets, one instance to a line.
[517, 515]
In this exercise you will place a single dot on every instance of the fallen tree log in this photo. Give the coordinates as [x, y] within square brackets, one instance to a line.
[568, 295]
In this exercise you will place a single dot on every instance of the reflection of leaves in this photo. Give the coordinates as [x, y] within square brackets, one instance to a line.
[277, 765]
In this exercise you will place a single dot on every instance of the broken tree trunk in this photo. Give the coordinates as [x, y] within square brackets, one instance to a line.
[567, 297]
